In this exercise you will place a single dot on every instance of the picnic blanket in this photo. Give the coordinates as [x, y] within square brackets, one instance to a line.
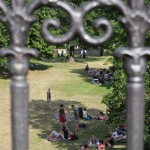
[68, 117]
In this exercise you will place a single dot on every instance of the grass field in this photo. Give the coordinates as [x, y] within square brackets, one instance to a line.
[69, 85]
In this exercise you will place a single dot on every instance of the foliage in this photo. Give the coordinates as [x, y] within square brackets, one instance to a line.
[116, 99]
[35, 40]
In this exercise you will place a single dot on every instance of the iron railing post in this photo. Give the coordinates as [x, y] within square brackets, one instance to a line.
[18, 22]
[135, 88]
[136, 4]
[18, 3]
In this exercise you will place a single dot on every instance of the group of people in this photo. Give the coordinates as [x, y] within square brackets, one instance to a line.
[65, 134]
[62, 116]
[84, 114]
[99, 76]
[57, 53]
[83, 53]
[98, 144]
[119, 134]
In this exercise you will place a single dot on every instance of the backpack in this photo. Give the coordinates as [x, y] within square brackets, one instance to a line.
[66, 134]
[74, 137]
[82, 125]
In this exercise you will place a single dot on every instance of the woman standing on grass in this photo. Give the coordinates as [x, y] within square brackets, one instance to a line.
[62, 116]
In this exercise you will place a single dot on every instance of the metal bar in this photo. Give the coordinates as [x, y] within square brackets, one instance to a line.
[19, 102]
[17, 3]
[135, 115]
[19, 85]
[135, 90]
[136, 4]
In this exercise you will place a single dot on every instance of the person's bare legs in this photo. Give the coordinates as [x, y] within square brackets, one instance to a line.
[65, 124]
[62, 124]
[50, 105]
[51, 135]
[60, 135]
[76, 125]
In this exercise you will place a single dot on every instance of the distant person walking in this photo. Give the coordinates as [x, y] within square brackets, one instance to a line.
[49, 99]
[62, 53]
[81, 54]
[84, 53]
[76, 117]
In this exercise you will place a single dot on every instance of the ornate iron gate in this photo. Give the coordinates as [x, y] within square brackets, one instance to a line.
[18, 19]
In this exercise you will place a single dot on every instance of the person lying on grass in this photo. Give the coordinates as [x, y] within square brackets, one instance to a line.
[109, 142]
[64, 134]
[119, 136]
[93, 141]
[84, 147]
[101, 145]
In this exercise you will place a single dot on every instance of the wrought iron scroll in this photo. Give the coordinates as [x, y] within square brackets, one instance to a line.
[18, 19]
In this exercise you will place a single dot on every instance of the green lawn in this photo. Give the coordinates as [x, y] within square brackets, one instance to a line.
[69, 85]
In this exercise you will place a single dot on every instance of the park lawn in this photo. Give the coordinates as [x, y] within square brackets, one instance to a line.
[69, 85]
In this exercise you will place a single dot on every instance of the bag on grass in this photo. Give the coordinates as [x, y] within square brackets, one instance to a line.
[74, 137]
[82, 125]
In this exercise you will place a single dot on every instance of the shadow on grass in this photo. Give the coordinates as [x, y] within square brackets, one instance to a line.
[4, 71]
[38, 66]
[41, 118]
[82, 73]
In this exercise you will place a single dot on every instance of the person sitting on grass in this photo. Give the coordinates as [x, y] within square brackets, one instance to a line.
[121, 127]
[119, 136]
[109, 142]
[100, 115]
[84, 147]
[86, 115]
[64, 134]
[101, 145]
[93, 142]
[87, 67]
